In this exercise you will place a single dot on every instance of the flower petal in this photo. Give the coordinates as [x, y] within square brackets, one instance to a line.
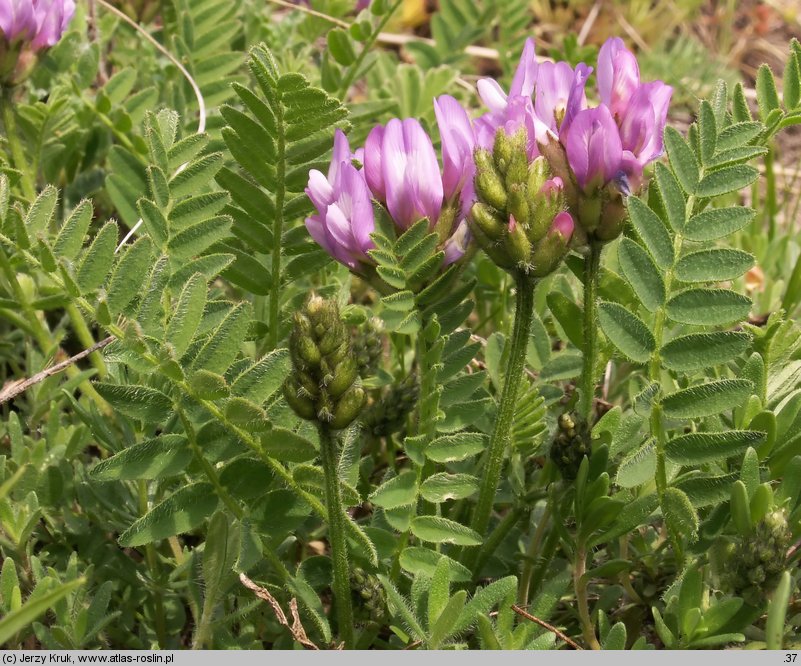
[373, 168]
[525, 77]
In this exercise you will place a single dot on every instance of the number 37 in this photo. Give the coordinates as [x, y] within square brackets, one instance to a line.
[789, 658]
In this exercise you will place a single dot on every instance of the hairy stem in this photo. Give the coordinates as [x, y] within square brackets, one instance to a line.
[532, 552]
[580, 588]
[336, 535]
[12, 136]
[278, 229]
[592, 270]
[153, 566]
[499, 440]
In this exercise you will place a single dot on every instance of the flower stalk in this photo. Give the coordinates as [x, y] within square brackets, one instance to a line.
[524, 300]
[592, 270]
[336, 535]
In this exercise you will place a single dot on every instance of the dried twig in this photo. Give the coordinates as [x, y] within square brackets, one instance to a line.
[547, 626]
[12, 390]
[296, 628]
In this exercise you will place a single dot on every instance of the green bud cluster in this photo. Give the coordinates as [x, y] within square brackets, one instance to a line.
[324, 383]
[369, 598]
[388, 414]
[511, 220]
[368, 346]
[755, 563]
[570, 445]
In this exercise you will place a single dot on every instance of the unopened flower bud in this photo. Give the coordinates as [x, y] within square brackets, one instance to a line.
[324, 383]
[552, 249]
[488, 182]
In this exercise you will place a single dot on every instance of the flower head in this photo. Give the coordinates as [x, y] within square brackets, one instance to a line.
[344, 219]
[401, 168]
[28, 27]
[594, 149]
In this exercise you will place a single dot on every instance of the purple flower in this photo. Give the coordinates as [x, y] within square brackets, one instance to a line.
[52, 19]
[560, 94]
[458, 142]
[514, 110]
[456, 245]
[640, 109]
[37, 22]
[643, 125]
[593, 147]
[401, 168]
[345, 217]
[17, 20]
[618, 76]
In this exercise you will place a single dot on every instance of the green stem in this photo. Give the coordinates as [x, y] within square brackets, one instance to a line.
[153, 567]
[580, 588]
[12, 136]
[531, 554]
[278, 229]
[357, 64]
[592, 270]
[654, 375]
[524, 299]
[771, 203]
[336, 534]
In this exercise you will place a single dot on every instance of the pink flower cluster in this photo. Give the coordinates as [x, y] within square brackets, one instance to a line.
[612, 141]
[37, 23]
[607, 144]
[398, 168]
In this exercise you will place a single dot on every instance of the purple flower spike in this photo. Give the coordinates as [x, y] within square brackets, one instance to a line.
[560, 93]
[17, 20]
[644, 123]
[345, 217]
[593, 148]
[373, 169]
[618, 76]
[525, 77]
[458, 143]
[402, 170]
